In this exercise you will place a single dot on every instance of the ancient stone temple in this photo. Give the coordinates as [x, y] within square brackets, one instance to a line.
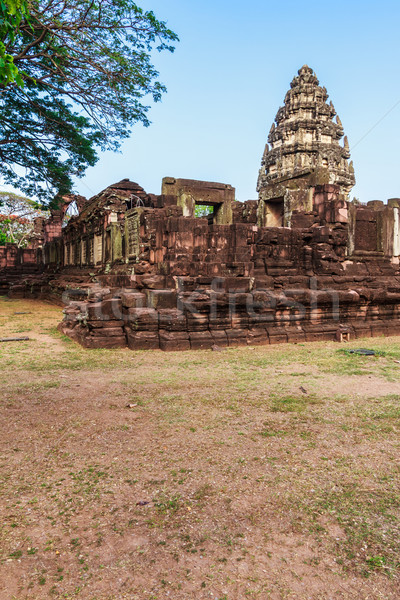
[301, 263]
[304, 149]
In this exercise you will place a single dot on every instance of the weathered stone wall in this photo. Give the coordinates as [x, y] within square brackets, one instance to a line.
[14, 264]
[134, 271]
[202, 314]
[11, 256]
[183, 282]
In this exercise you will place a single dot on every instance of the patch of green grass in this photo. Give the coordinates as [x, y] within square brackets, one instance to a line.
[293, 403]
[379, 415]
[370, 520]
[165, 504]
[272, 433]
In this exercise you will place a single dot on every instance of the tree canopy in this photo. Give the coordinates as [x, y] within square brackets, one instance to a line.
[12, 12]
[84, 69]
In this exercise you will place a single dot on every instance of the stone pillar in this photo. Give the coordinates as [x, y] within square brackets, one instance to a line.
[12, 255]
[98, 250]
[392, 229]
[83, 251]
[91, 251]
[132, 233]
[116, 242]
[396, 233]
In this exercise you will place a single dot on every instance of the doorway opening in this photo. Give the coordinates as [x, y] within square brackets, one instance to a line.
[274, 212]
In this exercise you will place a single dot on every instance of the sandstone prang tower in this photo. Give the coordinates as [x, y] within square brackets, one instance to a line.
[304, 150]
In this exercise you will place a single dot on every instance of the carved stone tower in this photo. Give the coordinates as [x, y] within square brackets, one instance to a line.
[304, 152]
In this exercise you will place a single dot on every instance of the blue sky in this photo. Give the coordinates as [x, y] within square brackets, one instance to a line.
[229, 74]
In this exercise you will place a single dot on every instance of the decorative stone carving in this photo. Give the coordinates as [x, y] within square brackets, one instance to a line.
[303, 150]
[132, 224]
[91, 251]
[98, 249]
[83, 251]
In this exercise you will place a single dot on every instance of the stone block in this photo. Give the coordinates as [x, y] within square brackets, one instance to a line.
[197, 302]
[172, 319]
[240, 300]
[161, 298]
[295, 335]
[197, 322]
[240, 321]
[201, 340]
[257, 337]
[262, 318]
[17, 291]
[237, 337]
[277, 335]
[264, 282]
[142, 340]
[236, 284]
[107, 332]
[141, 319]
[220, 321]
[174, 340]
[380, 328]
[361, 329]
[219, 300]
[105, 311]
[103, 342]
[133, 300]
[320, 332]
[394, 327]
[104, 324]
[152, 282]
[219, 336]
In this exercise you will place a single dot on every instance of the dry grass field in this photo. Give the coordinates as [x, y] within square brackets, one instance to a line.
[251, 473]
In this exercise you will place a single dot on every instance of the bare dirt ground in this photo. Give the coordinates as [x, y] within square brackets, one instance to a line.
[251, 473]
